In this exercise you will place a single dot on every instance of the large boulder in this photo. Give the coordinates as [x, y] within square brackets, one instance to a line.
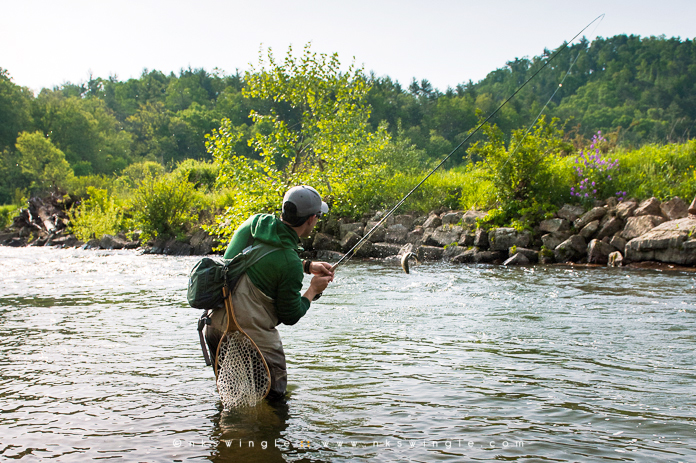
[570, 212]
[202, 243]
[610, 227]
[625, 209]
[175, 247]
[503, 238]
[674, 209]
[478, 257]
[382, 250]
[589, 230]
[445, 235]
[350, 240]
[378, 234]
[571, 249]
[481, 238]
[424, 253]
[451, 251]
[593, 214]
[396, 234]
[406, 220]
[470, 217]
[671, 242]
[517, 259]
[598, 252]
[650, 206]
[433, 221]
[452, 218]
[552, 240]
[113, 242]
[324, 242]
[618, 242]
[639, 225]
[554, 225]
[358, 228]
[530, 254]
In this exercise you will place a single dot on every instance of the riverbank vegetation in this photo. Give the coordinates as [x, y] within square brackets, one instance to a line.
[160, 156]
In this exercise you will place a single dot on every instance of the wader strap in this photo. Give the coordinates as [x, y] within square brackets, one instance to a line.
[204, 320]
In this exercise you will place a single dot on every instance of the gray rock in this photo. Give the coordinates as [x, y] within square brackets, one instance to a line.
[598, 252]
[348, 241]
[639, 225]
[378, 234]
[610, 227]
[324, 242]
[670, 242]
[467, 239]
[396, 234]
[615, 259]
[328, 256]
[530, 254]
[415, 236]
[612, 202]
[378, 216]
[175, 247]
[424, 253]
[517, 259]
[589, 230]
[625, 209]
[481, 238]
[593, 214]
[674, 209]
[452, 218]
[571, 249]
[91, 244]
[358, 228]
[112, 242]
[433, 221]
[201, 242]
[445, 235]
[365, 249]
[501, 239]
[477, 256]
[618, 243]
[404, 219]
[383, 250]
[554, 225]
[451, 251]
[570, 212]
[552, 240]
[650, 206]
[470, 217]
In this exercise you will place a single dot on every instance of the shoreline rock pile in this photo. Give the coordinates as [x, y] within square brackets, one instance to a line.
[611, 233]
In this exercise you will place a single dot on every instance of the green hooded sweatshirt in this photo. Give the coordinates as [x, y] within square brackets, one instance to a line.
[278, 275]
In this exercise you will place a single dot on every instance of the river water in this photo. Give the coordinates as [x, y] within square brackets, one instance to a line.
[100, 360]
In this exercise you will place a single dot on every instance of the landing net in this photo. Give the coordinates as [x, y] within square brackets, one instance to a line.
[243, 378]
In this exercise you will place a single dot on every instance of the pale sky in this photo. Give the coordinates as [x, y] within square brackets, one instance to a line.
[44, 43]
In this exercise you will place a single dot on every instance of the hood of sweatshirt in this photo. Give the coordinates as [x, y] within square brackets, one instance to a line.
[271, 230]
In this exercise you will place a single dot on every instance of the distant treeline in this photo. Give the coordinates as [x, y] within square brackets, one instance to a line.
[643, 90]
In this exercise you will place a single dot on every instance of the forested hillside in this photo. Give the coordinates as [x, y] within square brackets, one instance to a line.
[640, 89]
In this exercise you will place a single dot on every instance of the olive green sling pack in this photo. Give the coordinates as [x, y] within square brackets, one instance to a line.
[209, 276]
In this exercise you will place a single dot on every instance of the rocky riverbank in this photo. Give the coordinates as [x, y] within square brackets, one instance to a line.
[611, 233]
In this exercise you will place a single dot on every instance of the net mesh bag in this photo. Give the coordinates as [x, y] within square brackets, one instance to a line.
[243, 378]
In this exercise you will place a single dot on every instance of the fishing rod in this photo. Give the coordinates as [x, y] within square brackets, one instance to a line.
[348, 255]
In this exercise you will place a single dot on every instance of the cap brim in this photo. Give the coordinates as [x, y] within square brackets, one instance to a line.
[324, 208]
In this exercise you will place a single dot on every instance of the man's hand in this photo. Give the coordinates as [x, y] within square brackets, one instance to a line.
[321, 269]
[317, 285]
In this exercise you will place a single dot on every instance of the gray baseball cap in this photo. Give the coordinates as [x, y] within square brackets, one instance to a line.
[307, 200]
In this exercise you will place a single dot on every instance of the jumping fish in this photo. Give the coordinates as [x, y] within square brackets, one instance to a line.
[404, 260]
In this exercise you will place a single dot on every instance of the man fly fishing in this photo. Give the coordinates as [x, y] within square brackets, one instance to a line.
[269, 293]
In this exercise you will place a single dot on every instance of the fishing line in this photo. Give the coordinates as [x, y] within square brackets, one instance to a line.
[560, 84]
[351, 252]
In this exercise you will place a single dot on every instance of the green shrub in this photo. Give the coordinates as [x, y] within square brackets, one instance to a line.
[97, 216]
[202, 174]
[165, 207]
[7, 213]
